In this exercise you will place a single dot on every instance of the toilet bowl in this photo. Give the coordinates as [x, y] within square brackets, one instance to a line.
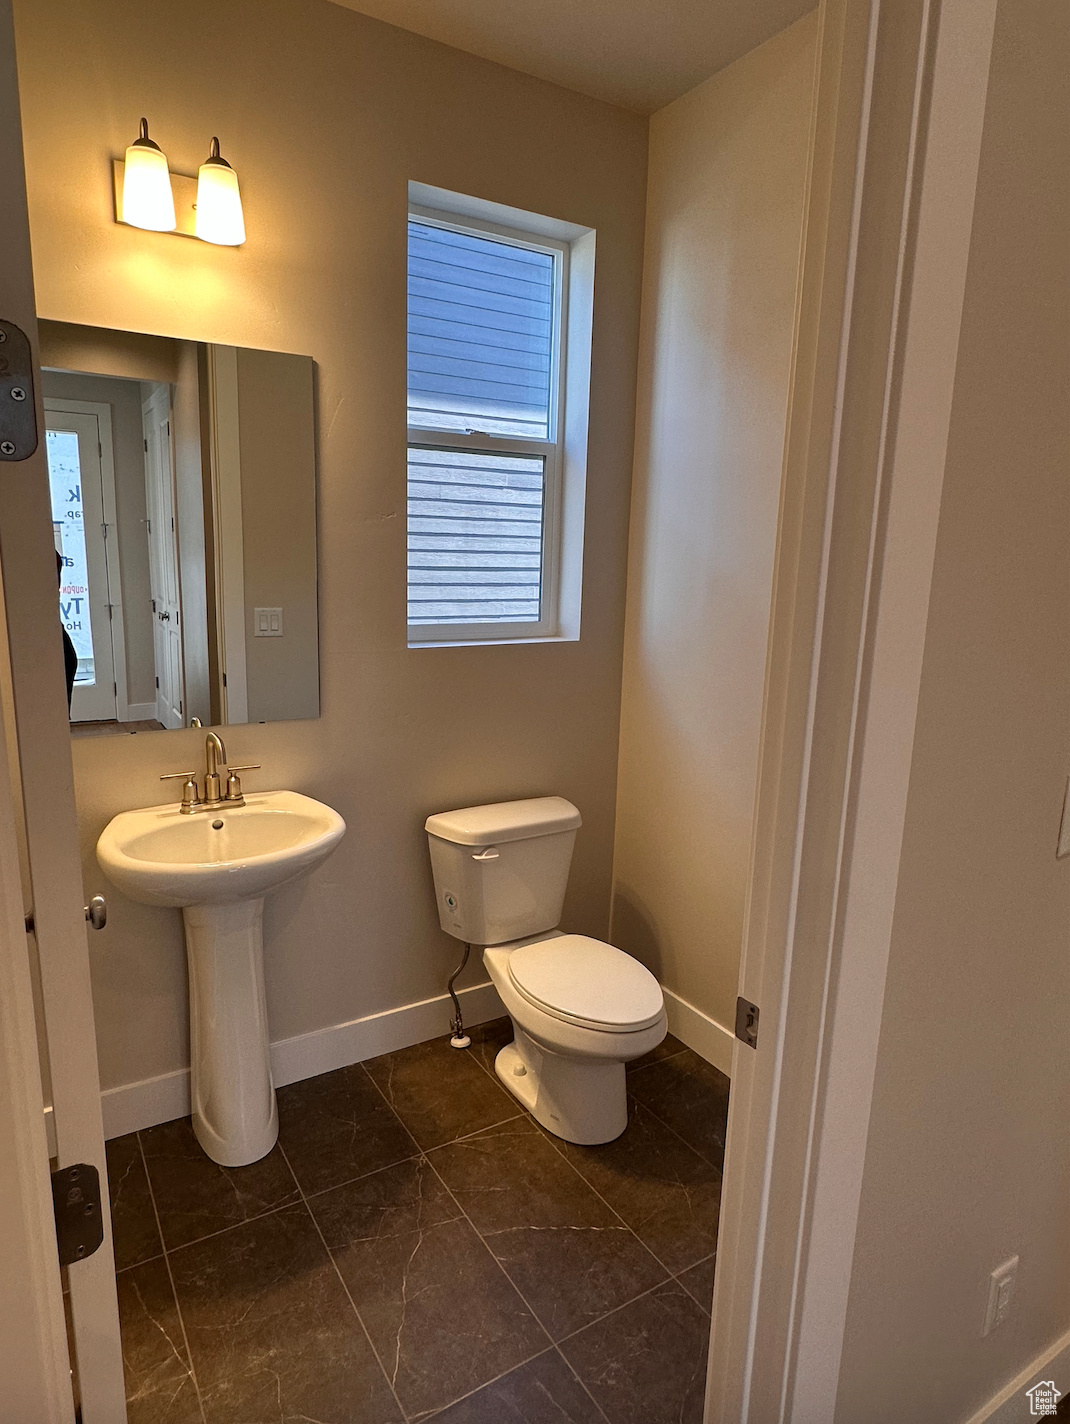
[581, 1009]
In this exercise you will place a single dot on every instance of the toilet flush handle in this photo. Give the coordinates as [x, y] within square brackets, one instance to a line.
[491, 853]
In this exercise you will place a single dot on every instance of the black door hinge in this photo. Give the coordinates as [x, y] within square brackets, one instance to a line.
[76, 1202]
[18, 415]
[747, 1022]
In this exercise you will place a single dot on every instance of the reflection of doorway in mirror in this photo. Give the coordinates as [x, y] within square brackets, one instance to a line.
[79, 480]
[163, 557]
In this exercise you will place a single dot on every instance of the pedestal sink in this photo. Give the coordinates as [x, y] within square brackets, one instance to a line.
[217, 866]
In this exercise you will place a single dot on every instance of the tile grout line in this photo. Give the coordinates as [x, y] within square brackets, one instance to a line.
[581, 1382]
[235, 1225]
[717, 1167]
[610, 1207]
[452, 1140]
[337, 1272]
[520, 1293]
[596, 1319]
[425, 1418]
[672, 1275]
[122, 1270]
[479, 1237]
[678, 1278]
[171, 1278]
[348, 1181]
[527, 1304]
[627, 1304]
[545, 1132]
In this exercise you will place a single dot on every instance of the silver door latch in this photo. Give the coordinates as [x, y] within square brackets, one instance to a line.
[747, 1022]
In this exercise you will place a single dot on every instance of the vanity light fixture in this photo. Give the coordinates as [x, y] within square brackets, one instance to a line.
[147, 198]
[219, 212]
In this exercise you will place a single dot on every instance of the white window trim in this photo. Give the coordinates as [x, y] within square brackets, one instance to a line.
[565, 452]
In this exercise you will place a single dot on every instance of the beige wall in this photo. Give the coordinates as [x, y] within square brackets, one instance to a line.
[326, 115]
[968, 1157]
[278, 501]
[726, 176]
[128, 354]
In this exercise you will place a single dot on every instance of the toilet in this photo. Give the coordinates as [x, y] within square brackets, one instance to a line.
[580, 1008]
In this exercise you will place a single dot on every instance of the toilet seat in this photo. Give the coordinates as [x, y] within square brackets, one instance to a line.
[587, 982]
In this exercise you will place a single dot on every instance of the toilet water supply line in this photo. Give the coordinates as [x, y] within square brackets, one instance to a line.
[459, 1039]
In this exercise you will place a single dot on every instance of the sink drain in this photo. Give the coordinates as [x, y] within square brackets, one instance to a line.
[217, 825]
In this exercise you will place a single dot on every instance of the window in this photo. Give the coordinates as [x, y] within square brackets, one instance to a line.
[487, 324]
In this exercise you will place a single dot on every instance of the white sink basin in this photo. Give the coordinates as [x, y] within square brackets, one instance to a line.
[161, 857]
[216, 866]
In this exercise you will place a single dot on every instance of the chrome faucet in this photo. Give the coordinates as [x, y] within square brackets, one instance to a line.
[215, 756]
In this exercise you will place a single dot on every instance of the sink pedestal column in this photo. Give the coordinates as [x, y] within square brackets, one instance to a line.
[235, 1118]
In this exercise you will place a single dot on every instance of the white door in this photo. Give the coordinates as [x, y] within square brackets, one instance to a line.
[74, 445]
[34, 1361]
[163, 558]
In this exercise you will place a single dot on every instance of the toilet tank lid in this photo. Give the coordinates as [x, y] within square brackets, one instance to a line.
[504, 821]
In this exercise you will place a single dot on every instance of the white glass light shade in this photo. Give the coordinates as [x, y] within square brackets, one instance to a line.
[219, 211]
[147, 198]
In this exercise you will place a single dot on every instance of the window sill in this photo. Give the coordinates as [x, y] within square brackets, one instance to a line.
[496, 642]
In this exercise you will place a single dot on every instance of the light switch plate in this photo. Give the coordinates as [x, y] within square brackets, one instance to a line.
[1000, 1294]
[267, 622]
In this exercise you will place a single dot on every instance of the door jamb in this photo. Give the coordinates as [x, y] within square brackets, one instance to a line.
[897, 129]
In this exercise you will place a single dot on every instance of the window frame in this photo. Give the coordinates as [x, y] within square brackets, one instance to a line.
[552, 450]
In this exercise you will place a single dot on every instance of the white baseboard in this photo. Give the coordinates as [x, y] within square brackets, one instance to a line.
[133, 1106]
[1011, 1404]
[139, 712]
[703, 1035]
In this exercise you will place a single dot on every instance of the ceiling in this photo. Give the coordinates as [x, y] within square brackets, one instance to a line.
[639, 54]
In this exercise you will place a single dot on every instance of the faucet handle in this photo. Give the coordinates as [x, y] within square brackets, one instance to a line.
[234, 791]
[190, 792]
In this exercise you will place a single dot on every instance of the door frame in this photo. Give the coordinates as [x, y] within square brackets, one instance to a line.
[35, 1379]
[896, 136]
[161, 393]
[225, 447]
[113, 553]
[32, 672]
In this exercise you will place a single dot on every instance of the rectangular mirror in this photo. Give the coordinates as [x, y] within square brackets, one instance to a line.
[183, 482]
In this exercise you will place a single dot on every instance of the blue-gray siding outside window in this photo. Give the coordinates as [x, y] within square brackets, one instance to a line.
[475, 536]
[481, 332]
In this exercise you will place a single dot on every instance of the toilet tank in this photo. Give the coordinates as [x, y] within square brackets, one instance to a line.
[500, 871]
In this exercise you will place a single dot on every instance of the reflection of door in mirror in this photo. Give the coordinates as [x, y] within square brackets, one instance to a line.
[163, 557]
[97, 434]
[81, 514]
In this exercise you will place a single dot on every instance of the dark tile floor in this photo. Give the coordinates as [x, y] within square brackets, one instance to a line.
[417, 1248]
